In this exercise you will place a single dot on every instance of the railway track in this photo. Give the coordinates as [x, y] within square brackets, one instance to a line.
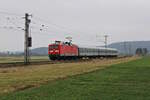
[21, 64]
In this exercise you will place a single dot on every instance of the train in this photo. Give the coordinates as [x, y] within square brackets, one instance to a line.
[66, 50]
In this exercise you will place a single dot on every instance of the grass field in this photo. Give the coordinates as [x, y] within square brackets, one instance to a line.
[126, 81]
[19, 78]
[21, 59]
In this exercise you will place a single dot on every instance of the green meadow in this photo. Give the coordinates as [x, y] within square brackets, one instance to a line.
[125, 81]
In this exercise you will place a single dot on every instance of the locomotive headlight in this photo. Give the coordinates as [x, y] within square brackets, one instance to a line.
[56, 51]
[51, 51]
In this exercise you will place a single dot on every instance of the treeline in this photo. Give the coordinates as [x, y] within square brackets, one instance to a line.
[4, 54]
[8, 54]
[141, 51]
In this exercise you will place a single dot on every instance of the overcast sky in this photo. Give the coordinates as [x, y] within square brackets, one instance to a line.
[84, 20]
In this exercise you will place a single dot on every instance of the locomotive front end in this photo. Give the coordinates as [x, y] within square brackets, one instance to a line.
[53, 51]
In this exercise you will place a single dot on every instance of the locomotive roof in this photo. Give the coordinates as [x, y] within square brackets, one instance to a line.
[62, 43]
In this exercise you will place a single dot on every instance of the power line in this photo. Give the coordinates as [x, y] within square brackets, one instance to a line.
[106, 40]
[44, 33]
[68, 30]
[9, 22]
[50, 23]
[10, 28]
[8, 13]
[47, 27]
[39, 19]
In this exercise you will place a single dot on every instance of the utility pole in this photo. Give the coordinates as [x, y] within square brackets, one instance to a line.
[27, 39]
[106, 39]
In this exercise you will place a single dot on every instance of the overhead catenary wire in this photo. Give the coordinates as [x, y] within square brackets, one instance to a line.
[50, 23]
[42, 27]
[10, 13]
[60, 27]
[49, 31]
[11, 22]
[47, 27]
[65, 29]
[39, 22]
[38, 26]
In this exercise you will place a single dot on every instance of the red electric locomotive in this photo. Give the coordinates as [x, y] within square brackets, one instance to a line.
[62, 50]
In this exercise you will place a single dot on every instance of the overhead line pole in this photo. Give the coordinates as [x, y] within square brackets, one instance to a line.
[106, 39]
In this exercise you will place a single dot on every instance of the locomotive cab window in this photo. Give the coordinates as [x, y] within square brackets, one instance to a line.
[53, 47]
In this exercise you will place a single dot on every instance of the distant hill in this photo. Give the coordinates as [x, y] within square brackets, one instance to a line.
[130, 46]
[124, 47]
[40, 51]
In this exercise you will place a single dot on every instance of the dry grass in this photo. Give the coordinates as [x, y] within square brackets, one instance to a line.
[13, 79]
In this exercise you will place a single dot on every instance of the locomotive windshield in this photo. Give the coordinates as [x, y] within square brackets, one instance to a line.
[53, 47]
